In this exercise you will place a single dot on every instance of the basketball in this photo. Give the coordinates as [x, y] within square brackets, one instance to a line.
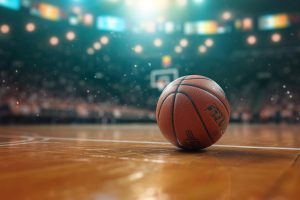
[193, 112]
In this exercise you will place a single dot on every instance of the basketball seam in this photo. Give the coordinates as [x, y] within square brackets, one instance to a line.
[173, 110]
[199, 115]
[163, 103]
[211, 93]
[197, 78]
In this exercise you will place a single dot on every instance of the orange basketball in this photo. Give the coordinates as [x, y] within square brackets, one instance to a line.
[193, 112]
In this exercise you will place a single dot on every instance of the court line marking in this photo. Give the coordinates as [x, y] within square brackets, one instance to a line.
[167, 143]
[23, 140]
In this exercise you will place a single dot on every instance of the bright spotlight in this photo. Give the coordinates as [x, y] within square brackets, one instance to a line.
[97, 45]
[129, 2]
[209, 42]
[178, 49]
[104, 40]
[198, 1]
[147, 8]
[5, 29]
[276, 37]
[157, 42]
[226, 15]
[90, 51]
[70, 35]
[184, 42]
[202, 49]
[251, 40]
[182, 3]
[54, 41]
[138, 49]
[30, 27]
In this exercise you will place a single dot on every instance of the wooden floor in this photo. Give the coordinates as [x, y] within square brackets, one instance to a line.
[136, 162]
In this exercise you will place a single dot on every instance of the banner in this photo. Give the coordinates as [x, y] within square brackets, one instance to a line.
[109, 23]
[11, 4]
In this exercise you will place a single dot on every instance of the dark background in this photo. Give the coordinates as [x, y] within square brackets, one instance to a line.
[41, 83]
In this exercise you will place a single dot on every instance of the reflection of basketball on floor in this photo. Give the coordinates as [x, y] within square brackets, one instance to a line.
[193, 112]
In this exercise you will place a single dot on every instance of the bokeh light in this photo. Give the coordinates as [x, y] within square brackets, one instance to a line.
[184, 42]
[104, 40]
[97, 46]
[209, 42]
[30, 27]
[157, 42]
[90, 51]
[138, 49]
[202, 49]
[226, 15]
[251, 40]
[178, 49]
[5, 29]
[276, 37]
[54, 41]
[70, 35]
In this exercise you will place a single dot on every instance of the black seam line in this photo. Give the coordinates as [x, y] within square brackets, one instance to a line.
[199, 115]
[163, 103]
[211, 93]
[173, 110]
[181, 78]
[197, 78]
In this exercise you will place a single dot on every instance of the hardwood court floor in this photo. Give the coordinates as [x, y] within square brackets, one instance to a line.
[135, 162]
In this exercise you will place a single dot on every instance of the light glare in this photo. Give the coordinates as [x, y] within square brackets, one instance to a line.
[54, 41]
[276, 37]
[104, 40]
[209, 42]
[30, 27]
[138, 49]
[5, 29]
[70, 35]
[157, 42]
[251, 40]
[184, 42]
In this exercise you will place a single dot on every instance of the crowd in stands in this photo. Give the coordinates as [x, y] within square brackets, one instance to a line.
[67, 98]
[42, 83]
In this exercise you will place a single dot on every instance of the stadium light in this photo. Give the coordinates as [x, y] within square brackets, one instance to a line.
[147, 8]
[202, 49]
[70, 35]
[198, 1]
[138, 49]
[54, 41]
[248, 23]
[157, 42]
[182, 3]
[30, 27]
[226, 15]
[88, 19]
[184, 42]
[90, 51]
[5, 29]
[76, 9]
[209, 42]
[251, 40]
[276, 37]
[178, 49]
[97, 46]
[129, 2]
[104, 40]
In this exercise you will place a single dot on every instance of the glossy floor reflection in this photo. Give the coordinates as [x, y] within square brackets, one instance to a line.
[136, 162]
